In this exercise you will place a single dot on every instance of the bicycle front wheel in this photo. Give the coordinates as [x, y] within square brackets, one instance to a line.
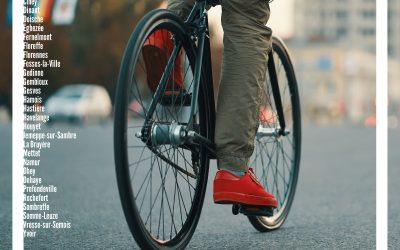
[276, 157]
[161, 183]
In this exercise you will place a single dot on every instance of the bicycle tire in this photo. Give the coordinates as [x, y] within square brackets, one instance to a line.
[276, 150]
[143, 234]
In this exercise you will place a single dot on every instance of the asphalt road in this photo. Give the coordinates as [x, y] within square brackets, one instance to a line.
[394, 187]
[334, 206]
[5, 186]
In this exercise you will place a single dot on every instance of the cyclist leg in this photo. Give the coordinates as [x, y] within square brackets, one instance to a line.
[246, 44]
[181, 7]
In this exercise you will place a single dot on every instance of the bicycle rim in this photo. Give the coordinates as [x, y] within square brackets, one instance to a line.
[276, 158]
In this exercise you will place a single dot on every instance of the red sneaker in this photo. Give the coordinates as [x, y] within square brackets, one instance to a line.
[156, 52]
[232, 189]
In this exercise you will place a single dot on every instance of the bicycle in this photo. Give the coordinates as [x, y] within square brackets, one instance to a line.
[163, 142]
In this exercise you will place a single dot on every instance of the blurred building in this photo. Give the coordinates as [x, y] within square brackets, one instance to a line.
[394, 92]
[349, 23]
[336, 85]
[394, 28]
[334, 51]
[394, 63]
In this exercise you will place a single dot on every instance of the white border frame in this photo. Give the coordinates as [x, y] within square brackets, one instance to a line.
[382, 124]
[381, 130]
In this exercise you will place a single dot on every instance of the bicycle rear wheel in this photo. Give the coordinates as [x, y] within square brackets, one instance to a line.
[276, 158]
[161, 184]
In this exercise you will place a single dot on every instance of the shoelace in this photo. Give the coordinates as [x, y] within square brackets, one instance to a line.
[254, 177]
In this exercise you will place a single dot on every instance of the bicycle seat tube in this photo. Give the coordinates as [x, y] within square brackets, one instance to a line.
[198, 19]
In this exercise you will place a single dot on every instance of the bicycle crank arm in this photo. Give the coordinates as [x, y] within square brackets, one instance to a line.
[209, 145]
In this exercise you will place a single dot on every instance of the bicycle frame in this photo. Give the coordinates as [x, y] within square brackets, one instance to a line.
[198, 22]
[202, 29]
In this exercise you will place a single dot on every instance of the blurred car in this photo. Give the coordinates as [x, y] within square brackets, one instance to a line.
[4, 115]
[79, 102]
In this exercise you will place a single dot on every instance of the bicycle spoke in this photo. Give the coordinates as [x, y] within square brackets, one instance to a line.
[166, 197]
[187, 178]
[140, 157]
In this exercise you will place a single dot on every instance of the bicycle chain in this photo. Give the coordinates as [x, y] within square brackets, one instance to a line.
[195, 161]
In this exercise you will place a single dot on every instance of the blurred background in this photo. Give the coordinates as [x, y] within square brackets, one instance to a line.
[393, 122]
[332, 44]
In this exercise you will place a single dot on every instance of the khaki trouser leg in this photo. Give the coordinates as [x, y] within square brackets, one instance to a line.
[246, 44]
[181, 7]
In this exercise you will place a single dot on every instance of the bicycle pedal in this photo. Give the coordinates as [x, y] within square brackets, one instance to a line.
[180, 98]
[251, 210]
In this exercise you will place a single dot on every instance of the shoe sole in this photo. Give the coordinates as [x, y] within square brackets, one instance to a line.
[245, 199]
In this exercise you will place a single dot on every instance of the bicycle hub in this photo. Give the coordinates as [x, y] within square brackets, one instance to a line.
[172, 134]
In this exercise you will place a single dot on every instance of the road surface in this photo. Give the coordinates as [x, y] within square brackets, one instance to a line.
[334, 207]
